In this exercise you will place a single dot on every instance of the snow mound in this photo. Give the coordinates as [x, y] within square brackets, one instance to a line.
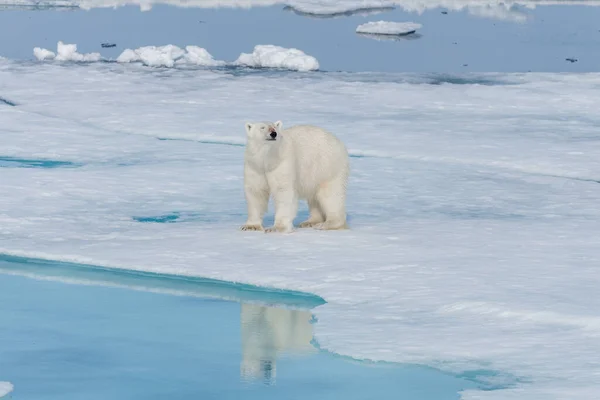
[5, 388]
[43, 54]
[168, 56]
[388, 28]
[65, 52]
[271, 56]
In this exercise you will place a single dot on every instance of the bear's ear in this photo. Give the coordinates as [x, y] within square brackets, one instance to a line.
[248, 127]
[278, 125]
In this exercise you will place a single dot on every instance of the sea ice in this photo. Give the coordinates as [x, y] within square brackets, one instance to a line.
[199, 56]
[5, 388]
[270, 56]
[473, 205]
[388, 28]
[65, 52]
[68, 52]
[264, 56]
[153, 56]
[43, 54]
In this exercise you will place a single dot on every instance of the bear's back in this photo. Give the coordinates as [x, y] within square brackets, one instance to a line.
[320, 156]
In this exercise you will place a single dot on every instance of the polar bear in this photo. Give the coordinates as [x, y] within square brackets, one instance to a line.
[301, 162]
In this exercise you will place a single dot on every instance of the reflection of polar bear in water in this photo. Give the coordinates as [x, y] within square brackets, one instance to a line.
[301, 162]
[268, 333]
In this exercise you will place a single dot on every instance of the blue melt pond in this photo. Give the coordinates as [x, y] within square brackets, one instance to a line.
[159, 218]
[14, 162]
[131, 335]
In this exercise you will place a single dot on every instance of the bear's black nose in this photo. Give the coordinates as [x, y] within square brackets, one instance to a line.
[273, 135]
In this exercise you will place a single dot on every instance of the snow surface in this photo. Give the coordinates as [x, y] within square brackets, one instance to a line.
[388, 28]
[270, 56]
[65, 52]
[5, 388]
[473, 206]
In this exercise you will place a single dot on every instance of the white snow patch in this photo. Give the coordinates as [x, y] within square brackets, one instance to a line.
[271, 56]
[388, 28]
[5, 388]
[474, 211]
[65, 52]
[43, 54]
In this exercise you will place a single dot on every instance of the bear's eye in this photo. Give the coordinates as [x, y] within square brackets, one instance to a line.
[262, 128]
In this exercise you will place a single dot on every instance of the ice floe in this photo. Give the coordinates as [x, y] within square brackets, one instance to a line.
[270, 56]
[5, 388]
[388, 28]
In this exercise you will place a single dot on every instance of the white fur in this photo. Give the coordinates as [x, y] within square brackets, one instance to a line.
[303, 162]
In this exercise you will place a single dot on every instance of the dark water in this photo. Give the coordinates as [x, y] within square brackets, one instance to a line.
[540, 39]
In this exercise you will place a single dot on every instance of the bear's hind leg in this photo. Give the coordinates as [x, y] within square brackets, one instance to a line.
[316, 215]
[332, 200]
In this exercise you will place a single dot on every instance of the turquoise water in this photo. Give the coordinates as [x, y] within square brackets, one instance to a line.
[15, 162]
[125, 335]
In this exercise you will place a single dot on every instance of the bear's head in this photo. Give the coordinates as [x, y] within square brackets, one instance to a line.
[263, 131]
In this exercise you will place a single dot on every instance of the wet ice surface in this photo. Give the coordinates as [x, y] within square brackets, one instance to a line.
[92, 334]
[473, 204]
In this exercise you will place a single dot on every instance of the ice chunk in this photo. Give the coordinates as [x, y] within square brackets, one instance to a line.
[198, 56]
[68, 52]
[5, 388]
[128, 56]
[65, 52]
[43, 54]
[388, 28]
[270, 56]
[336, 12]
[169, 56]
[153, 56]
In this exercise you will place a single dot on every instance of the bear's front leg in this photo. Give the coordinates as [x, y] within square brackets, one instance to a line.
[286, 207]
[257, 200]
